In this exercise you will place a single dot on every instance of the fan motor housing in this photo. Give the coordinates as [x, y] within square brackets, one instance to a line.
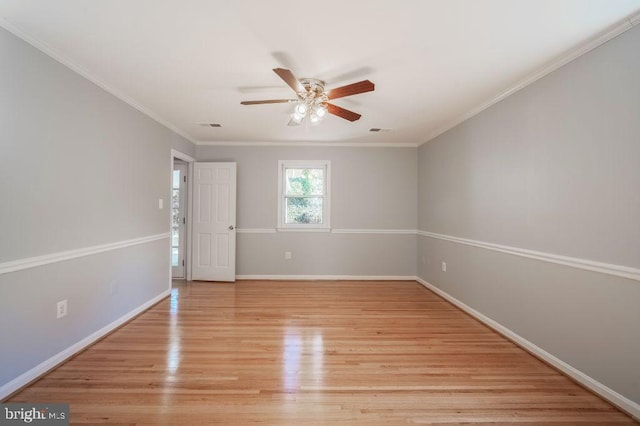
[313, 85]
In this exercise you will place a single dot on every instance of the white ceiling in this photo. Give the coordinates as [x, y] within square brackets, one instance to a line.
[192, 61]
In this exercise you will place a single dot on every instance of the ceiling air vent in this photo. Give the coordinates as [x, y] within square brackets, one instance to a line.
[375, 129]
[211, 124]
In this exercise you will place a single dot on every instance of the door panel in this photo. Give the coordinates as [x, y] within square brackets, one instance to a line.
[214, 228]
[204, 191]
[222, 243]
[222, 212]
[204, 250]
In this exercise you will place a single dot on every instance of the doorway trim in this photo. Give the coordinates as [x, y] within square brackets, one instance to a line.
[187, 255]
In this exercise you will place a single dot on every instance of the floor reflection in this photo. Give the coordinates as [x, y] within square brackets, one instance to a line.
[291, 359]
[317, 371]
[174, 351]
[173, 354]
[173, 301]
[297, 349]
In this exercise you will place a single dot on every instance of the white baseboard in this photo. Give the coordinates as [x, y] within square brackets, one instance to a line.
[605, 392]
[328, 277]
[40, 369]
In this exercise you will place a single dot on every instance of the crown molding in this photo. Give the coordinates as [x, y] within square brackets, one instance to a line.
[310, 144]
[52, 53]
[573, 54]
[545, 70]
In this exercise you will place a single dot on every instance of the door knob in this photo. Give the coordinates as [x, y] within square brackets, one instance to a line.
[230, 227]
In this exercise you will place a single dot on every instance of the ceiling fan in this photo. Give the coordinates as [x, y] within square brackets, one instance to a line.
[313, 100]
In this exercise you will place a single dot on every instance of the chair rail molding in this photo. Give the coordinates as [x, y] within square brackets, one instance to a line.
[573, 262]
[32, 262]
[333, 231]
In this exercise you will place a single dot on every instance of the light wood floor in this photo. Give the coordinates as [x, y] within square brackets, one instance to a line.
[312, 353]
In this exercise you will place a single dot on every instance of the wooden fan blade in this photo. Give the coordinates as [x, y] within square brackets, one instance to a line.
[269, 101]
[290, 79]
[351, 89]
[342, 113]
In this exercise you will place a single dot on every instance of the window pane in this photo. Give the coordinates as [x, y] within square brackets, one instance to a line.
[174, 256]
[176, 179]
[175, 236]
[304, 181]
[175, 217]
[304, 210]
[175, 199]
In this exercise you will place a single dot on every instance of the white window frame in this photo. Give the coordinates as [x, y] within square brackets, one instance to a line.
[326, 204]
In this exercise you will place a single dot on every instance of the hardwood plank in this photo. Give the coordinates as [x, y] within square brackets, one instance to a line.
[318, 353]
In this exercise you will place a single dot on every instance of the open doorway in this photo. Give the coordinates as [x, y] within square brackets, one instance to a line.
[178, 219]
[180, 215]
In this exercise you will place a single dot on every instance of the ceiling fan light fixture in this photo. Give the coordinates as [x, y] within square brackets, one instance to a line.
[313, 100]
[320, 111]
[297, 117]
[301, 109]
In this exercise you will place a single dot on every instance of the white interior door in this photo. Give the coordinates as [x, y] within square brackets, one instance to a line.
[214, 217]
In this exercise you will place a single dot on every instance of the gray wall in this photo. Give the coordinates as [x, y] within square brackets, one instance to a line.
[78, 168]
[553, 168]
[372, 188]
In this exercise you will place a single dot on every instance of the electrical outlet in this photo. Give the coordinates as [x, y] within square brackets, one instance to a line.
[444, 266]
[287, 255]
[160, 203]
[113, 287]
[424, 260]
[61, 309]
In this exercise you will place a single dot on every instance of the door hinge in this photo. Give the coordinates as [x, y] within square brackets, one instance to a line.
[185, 179]
[182, 262]
[184, 220]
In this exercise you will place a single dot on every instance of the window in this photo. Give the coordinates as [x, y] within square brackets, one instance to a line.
[303, 194]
